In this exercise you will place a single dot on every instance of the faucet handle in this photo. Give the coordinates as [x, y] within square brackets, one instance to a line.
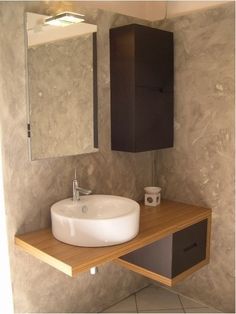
[75, 178]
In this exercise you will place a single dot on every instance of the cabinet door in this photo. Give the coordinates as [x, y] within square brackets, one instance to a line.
[189, 247]
[154, 58]
[153, 119]
[141, 88]
[153, 89]
[122, 71]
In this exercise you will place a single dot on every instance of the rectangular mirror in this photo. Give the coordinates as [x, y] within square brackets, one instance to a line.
[62, 96]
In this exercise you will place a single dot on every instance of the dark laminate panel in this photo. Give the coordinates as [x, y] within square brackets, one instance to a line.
[122, 51]
[153, 119]
[156, 257]
[154, 58]
[173, 254]
[189, 247]
[141, 88]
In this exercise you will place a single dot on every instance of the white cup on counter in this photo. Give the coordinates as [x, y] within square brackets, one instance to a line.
[152, 195]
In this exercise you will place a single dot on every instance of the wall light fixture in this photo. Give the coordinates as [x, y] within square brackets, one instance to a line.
[64, 19]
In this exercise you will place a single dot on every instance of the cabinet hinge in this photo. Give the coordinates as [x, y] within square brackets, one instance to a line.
[28, 130]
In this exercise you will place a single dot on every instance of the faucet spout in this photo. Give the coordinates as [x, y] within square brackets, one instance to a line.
[77, 190]
[84, 191]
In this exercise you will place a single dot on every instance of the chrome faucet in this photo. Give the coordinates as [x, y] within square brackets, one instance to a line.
[77, 190]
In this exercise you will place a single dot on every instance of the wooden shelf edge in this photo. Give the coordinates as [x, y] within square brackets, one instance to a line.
[44, 257]
[170, 282]
[144, 272]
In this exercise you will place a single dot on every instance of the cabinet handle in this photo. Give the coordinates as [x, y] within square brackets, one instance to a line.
[190, 247]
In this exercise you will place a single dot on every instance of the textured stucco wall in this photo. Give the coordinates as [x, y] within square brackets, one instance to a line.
[200, 167]
[32, 187]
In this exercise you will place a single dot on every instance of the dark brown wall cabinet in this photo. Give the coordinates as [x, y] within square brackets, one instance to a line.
[175, 253]
[141, 63]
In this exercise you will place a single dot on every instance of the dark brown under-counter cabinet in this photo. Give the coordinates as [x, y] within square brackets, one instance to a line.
[173, 255]
[141, 68]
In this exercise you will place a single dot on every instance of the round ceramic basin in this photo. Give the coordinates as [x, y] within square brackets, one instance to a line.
[95, 220]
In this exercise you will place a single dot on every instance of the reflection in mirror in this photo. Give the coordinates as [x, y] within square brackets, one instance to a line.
[61, 88]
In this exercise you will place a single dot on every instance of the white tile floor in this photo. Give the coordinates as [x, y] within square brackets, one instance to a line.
[153, 299]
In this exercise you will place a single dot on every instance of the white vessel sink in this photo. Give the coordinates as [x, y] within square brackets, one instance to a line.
[95, 220]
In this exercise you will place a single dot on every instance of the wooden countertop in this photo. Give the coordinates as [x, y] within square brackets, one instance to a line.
[155, 223]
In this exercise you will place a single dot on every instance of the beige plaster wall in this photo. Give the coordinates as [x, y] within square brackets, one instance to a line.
[200, 168]
[175, 8]
[32, 187]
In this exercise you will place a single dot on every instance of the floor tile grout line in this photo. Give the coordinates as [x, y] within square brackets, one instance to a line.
[169, 290]
[136, 304]
[191, 307]
[160, 309]
[181, 303]
[203, 305]
[124, 298]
